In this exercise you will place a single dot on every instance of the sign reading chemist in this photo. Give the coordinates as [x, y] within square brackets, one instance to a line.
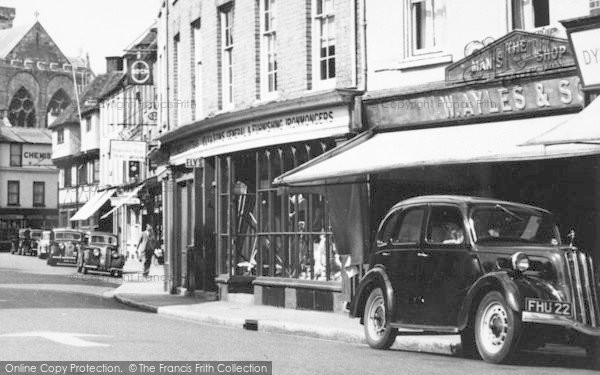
[37, 156]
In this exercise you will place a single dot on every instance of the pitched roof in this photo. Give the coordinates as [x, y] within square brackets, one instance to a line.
[15, 134]
[103, 83]
[9, 38]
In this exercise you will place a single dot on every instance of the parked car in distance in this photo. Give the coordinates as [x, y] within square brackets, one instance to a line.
[496, 272]
[27, 241]
[43, 244]
[101, 254]
[65, 246]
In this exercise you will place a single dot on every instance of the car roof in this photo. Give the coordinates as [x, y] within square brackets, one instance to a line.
[102, 234]
[462, 200]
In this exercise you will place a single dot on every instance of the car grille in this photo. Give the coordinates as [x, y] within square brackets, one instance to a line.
[583, 288]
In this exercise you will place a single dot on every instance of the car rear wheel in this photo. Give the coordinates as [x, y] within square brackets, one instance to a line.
[378, 332]
[497, 329]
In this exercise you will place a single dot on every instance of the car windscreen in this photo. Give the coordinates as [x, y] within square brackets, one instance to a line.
[36, 235]
[104, 239]
[507, 223]
[67, 236]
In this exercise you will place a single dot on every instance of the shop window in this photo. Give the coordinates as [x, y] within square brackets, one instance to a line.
[226, 63]
[325, 43]
[529, 14]
[39, 193]
[13, 193]
[59, 102]
[22, 110]
[426, 19]
[16, 155]
[265, 230]
[268, 47]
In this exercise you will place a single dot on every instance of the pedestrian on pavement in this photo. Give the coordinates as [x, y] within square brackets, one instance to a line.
[146, 247]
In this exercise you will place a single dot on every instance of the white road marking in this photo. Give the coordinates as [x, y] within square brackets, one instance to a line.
[71, 339]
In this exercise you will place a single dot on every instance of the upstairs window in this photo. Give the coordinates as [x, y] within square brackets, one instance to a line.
[60, 136]
[226, 19]
[16, 155]
[82, 174]
[426, 25]
[13, 193]
[39, 191]
[268, 47]
[530, 14]
[197, 69]
[325, 41]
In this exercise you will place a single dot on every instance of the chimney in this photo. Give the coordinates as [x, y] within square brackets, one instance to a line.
[7, 15]
[114, 64]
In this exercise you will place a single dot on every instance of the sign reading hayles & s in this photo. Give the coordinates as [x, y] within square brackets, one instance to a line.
[128, 150]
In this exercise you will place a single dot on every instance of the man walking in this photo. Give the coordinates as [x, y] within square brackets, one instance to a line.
[146, 247]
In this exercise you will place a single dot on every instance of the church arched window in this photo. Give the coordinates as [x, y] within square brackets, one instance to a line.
[59, 102]
[22, 110]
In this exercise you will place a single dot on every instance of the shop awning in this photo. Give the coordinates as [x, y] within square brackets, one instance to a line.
[126, 199]
[581, 128]
[465, 144]
[93, 205]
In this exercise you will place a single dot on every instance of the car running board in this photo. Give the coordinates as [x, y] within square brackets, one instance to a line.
[425, 328]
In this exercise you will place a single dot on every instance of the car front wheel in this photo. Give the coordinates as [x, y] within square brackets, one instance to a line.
[497, 329]
[378, 332]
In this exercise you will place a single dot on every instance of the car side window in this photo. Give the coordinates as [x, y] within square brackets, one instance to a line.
[409, 226]
[387, 229]
[445, 226]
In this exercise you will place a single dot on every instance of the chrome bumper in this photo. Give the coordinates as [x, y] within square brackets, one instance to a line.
[563, 321]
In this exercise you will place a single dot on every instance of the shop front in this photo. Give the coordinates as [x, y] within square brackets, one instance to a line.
[471, 134]
[233, 229]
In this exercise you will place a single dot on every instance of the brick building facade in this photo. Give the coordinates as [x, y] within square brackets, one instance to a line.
[249, 90]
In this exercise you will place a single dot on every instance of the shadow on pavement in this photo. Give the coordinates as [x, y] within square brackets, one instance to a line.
[22, 298]
[15, 276]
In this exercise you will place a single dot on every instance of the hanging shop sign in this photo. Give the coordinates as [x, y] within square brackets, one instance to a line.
[128, 150]
[584, 35]
[140, 72]
[517, 53]
[322, 123]
[502, 99]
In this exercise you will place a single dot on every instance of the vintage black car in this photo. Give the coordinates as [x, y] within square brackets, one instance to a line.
[496, 272]
[65, 246]
[101, 254]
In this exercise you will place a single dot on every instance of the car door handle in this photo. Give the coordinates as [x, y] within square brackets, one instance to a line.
[386, 253]
[422, 254]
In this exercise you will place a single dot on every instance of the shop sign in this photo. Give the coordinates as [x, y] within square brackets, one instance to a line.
[586, 44]
[128, 150]
[295, 127]
[194, 163]
[36, 156]
[124, 200]
[480, 103]
[517, 53]
[140, 72]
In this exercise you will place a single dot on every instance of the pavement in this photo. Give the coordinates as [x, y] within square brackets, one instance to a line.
[148, 294]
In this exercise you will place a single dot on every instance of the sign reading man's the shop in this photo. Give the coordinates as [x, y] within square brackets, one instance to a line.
[460, 104]
[517, 53]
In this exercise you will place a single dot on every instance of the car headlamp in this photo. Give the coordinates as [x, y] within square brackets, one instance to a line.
[61, 246]
[520, 262]
[115, 254]
[96, 252]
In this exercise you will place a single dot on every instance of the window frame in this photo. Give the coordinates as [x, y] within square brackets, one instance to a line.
[43, 194]
[9, 193]
[398, 215]
[317, 37]
[268, 40]
[60, 136]
[226, 18]
[465, 227]
[410, 51]
[13, 154]
[527, 21]
[197, 68]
